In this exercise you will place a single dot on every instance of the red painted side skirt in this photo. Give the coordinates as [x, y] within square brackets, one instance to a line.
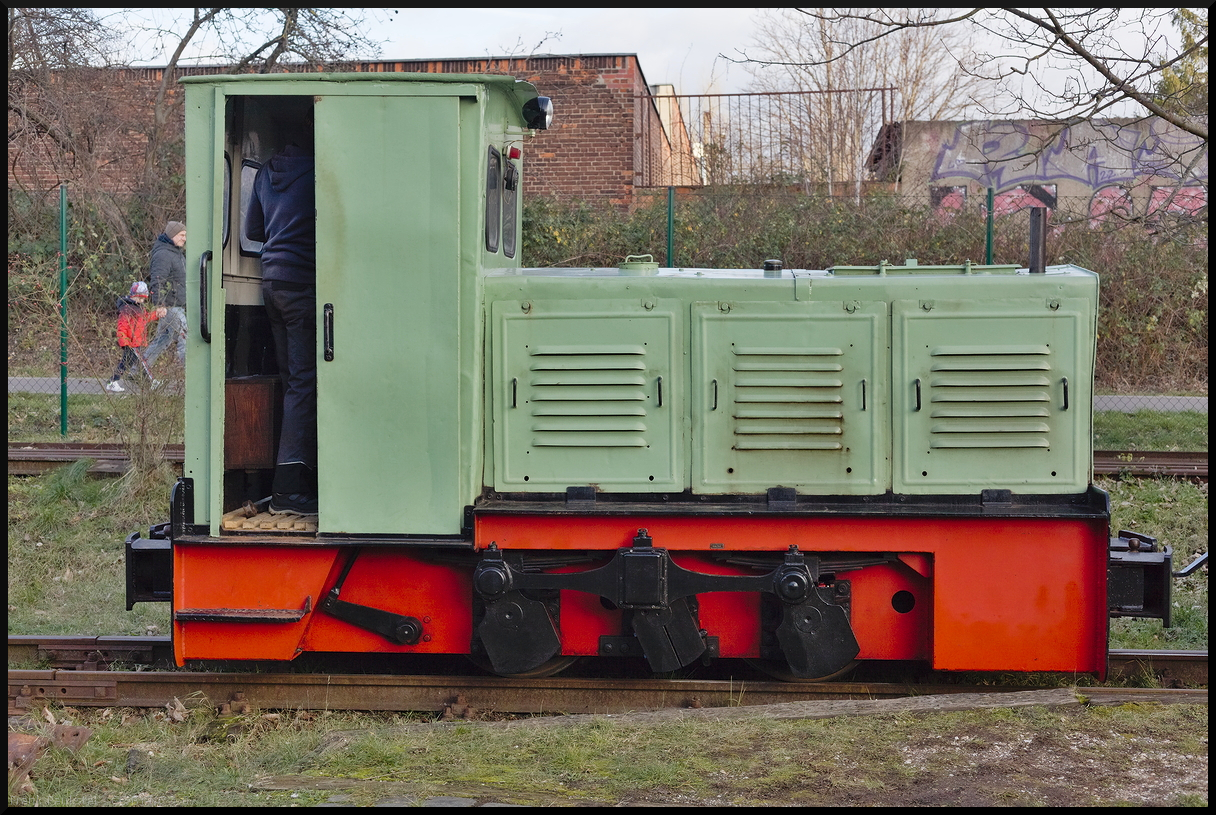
[978, 594]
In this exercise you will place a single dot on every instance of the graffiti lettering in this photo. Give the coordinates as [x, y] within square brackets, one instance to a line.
[1025, 161]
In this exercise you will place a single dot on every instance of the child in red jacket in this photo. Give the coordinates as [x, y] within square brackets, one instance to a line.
[133, 319]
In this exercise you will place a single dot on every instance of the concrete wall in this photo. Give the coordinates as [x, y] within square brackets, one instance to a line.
[1134, 166]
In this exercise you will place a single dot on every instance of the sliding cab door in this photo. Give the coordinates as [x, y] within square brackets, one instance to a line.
[388, 264]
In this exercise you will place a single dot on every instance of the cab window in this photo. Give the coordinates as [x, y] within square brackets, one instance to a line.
[493, 200]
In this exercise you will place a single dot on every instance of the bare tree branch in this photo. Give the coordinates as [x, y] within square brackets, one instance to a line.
[74, 119]
[1120, 86]
[844, 66]
[1101, 73]
[160, 111]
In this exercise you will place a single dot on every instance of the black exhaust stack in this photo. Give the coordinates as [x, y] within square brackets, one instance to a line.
[1038, 240]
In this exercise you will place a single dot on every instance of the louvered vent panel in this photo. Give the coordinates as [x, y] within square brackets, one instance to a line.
[788, 398]
[588, 396]
[990, 398]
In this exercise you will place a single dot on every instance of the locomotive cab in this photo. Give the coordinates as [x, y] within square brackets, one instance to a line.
[409, 207]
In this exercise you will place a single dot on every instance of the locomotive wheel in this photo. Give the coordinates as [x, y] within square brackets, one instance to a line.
[551, 668]
[781, 672]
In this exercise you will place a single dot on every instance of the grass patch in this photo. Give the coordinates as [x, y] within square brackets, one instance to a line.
[1073, 756]
[1174, 511]
[99, 419]
[66, 555]
[35, 417]
[1158, 431]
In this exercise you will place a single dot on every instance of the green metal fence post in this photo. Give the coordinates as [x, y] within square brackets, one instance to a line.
[988, 245]
[63, 309]
[671, 221]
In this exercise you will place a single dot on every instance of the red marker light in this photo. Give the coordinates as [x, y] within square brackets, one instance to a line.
[513, 153]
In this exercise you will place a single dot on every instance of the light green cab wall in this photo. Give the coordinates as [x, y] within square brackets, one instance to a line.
[204, 361]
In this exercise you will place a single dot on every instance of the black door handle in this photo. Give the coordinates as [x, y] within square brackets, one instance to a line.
[204, 324]
[327, 321]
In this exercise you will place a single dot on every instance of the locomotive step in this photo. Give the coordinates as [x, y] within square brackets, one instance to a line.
[240, 521]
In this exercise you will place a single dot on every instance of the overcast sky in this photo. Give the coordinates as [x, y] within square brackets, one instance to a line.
[689, 48]
[675, 46]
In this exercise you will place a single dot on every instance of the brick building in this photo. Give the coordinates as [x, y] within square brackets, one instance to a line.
[107, 115]
[611, 130]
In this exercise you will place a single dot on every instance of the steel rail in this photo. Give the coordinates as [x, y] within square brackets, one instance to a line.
[99, 653]
[1182, 667]
[74, 681]
[460, 695]
[1146, 463]
[33, 458]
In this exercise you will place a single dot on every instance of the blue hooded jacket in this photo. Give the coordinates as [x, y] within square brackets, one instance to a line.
[283, 215]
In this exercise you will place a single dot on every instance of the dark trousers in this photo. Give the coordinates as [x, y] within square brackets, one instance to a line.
[128, 362]
[293, 323]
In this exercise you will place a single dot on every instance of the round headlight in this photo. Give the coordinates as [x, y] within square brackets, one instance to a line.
[538, 113]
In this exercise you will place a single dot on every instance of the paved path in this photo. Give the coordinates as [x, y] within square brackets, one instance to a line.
[50, 384]
[1130, 404]
[1122, 404]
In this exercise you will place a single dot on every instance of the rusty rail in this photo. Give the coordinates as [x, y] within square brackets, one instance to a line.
[73, 678]
[35, 458]
[1143, 463]
[381, 692]
[99, 653]
[458, 695]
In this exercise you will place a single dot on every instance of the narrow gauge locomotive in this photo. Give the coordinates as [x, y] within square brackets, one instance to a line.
[525, 466]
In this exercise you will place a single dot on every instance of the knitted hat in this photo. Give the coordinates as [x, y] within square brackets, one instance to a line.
[173, 227]
[139, 289]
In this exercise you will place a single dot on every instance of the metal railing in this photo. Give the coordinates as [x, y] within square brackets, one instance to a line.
[817, 138]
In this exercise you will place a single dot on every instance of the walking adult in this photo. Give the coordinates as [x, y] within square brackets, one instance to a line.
[282, 215]
[168, 285]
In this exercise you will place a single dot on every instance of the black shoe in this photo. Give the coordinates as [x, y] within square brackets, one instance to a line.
[295, 478]
[293, 504]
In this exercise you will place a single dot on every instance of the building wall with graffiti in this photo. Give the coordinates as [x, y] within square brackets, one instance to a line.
[1136, 168]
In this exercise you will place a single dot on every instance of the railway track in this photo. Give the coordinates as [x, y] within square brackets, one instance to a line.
[76, 677]
[34, 458]
[1141, 464]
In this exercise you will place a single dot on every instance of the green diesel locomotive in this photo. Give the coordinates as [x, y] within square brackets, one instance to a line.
[800, 468]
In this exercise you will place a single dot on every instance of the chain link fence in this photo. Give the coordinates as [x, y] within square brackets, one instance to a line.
[52, 369]
[63, 352]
